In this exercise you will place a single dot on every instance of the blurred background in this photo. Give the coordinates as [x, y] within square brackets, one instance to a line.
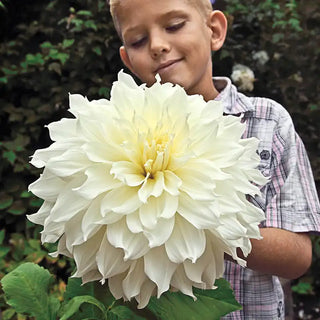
[49, 48]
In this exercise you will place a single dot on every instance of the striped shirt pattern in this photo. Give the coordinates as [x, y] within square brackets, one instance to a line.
[289, 199]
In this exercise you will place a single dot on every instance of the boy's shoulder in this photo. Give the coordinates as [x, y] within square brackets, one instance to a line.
[255, 107]
[267, 108]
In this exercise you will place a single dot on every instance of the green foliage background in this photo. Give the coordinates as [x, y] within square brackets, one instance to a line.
[50, 48]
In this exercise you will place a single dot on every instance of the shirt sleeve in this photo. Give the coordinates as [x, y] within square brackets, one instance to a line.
[291, 200]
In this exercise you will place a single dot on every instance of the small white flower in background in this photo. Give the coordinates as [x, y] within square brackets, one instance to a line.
[148, 190]
[261, 57]
[243, 77]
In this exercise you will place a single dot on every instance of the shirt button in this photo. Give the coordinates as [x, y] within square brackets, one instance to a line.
[264, 155]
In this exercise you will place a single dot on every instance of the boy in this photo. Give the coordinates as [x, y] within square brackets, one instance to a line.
[174, 38]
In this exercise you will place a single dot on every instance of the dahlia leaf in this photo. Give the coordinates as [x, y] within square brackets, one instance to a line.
[73, 306]
[210, 304]
[75, 288]
[26, 290]
[123, 313]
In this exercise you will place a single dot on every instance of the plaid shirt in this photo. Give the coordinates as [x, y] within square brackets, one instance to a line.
[289, 200]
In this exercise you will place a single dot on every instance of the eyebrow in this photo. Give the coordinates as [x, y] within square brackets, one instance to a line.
[167, 15]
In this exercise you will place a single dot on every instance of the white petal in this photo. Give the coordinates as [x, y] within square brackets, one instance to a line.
[93, 217]
[85, 254]
[103, 152]
[133, 222]
[128, 172]
[47, 187]
[92, 275]
[57, 149]
[161, 232]
[159, 268]
[99, 180]
[71, 162]
[73, 232]
[135, 278]
[197, 182]
[171, 204]
[122, 200]
[110, 259]
[42, 214]
[134, 245]
[115, 286]
[198, 213]
[68, 203]
[62, 248]
[150, 212]
[52, 231]
[59, 130]
[147, 290]
[182, 244]
[181, 282]
[172, 183]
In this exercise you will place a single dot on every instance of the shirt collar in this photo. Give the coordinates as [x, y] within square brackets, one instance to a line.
[234, 101]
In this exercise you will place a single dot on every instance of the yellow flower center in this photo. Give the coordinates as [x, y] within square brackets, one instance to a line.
[156, 154]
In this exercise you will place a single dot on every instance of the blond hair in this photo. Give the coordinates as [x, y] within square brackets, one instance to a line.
[203, 6]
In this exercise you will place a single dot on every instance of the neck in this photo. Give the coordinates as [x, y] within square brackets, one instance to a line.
[209, 93]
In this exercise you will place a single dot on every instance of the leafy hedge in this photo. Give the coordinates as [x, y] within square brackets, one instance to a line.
[51, 48]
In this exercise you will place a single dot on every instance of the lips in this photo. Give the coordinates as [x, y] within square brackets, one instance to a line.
[167, 64]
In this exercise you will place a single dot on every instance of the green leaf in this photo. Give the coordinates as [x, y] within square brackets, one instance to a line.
[18, 208]
[10, 156]
[104, 91]
[25, 194]
[26, 290]
[46, 44]
[3, 80]
[7, 71]
[2, 235]
[91, 24]
[67, 43]
[303, 288]
[5, 201]
[94, 289]
[73, 306]
[210, 304]
[123, 313]
[4, 251]
[8, 314]
[84, 13]
[97, 50]
[36, 203]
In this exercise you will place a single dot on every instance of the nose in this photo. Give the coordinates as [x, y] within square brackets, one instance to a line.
[158, 45]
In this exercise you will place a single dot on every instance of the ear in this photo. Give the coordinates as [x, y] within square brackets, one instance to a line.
[125, 58]
[218, 24]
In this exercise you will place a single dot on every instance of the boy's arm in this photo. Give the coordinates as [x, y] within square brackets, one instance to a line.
[282, 253]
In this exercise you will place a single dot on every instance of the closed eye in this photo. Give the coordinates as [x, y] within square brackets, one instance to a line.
[138, 43]
[175, 27]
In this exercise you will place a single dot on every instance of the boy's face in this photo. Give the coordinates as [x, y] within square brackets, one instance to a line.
[169, 37]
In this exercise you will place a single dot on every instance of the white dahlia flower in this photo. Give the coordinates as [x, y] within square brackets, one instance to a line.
[148, 190]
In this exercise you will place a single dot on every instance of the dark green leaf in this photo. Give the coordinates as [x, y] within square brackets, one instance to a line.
[210, 304]
[67, 43]
[10, 156]
[123, 313]
[73, 306]
[5, 201]
[2, 235]
[18, 208]
[8, 314]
